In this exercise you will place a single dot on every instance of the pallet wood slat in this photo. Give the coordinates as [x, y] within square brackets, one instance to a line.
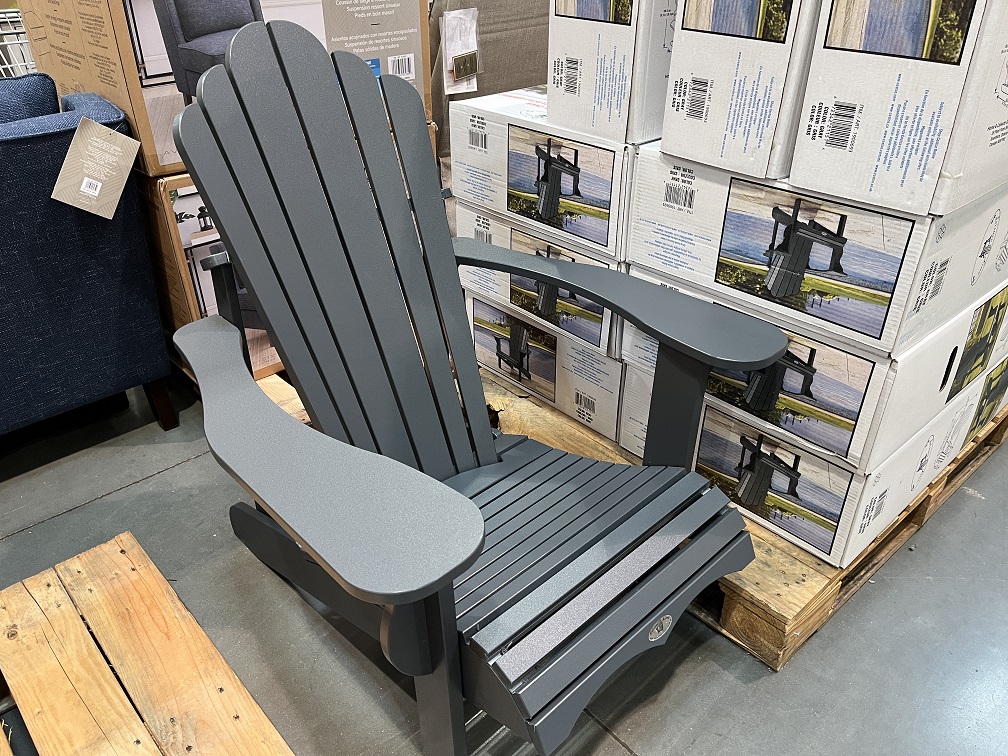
[67, 695]
[285, 396]
[186, 692]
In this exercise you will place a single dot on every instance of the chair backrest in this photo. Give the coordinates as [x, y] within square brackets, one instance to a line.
[339, 231]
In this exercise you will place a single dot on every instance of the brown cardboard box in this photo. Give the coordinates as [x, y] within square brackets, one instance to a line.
[176, 231]
[86, 47]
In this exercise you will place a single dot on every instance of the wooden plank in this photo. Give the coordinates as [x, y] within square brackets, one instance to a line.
[68, 696]
[5, 749]
[189, 697]
[525, 415]
[285, 396]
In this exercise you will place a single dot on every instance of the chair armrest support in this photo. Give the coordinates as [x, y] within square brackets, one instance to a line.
[388, 534]
[693, 337]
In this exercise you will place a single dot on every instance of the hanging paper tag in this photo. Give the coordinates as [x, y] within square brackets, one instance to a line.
[96, 168]
[460, 50]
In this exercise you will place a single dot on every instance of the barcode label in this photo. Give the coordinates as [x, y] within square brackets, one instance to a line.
[401, 66]
[679, 195]
[585, 402]
[873, 510]
[481, 234]
[572, 77]
[91, 187]
[931, 285]
[939, 278]
[698, 99]
[841, 126]
[477, 139]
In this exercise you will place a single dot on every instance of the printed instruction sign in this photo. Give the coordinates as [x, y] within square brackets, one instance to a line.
[96, 168]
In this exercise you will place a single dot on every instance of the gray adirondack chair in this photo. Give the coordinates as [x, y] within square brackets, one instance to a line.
[488, 566]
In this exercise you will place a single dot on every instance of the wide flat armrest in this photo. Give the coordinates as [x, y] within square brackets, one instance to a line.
[385, 532]
[713, 335]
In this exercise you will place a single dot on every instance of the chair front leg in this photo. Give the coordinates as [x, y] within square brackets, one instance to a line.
[439, 694]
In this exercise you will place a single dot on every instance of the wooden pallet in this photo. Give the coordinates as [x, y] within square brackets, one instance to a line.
[101, 656]
[778, 602]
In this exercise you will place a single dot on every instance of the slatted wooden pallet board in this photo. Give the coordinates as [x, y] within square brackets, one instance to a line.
[101, 656]
[779, 601]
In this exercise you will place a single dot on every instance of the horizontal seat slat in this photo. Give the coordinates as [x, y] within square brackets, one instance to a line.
[539, 484]
[519, 529]
[544, 526]
[524, 614]
[474, 482]
[542, 496]
[551, 678]
[482, 599]
[569, 619]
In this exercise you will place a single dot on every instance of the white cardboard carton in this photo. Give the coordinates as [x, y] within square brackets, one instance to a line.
[562, 371]
[824, 507]
[609, 66]
[906, 105]
[737, 83]
[576, 315]
[855, 407]
[884, 283]
[505, 157]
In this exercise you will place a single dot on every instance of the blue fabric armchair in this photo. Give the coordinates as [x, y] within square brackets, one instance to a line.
[79, 315]
[197, 34]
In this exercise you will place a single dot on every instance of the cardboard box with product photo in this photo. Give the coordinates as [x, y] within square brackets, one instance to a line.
[848, 405]
[121, 51]
[562, 371]
[737, 83]
[573, 314]
[843, 272]
[609, 66]
[508, 159]
[183, 233]
[905, 105]
[825, 508]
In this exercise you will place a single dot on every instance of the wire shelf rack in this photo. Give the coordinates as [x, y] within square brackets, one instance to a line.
[15, 55]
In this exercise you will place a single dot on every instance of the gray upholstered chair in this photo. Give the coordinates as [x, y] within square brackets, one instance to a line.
[197, 34]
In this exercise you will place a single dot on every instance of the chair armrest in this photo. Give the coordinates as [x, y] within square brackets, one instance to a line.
[75, 107]
[385, 532]
[715, 336]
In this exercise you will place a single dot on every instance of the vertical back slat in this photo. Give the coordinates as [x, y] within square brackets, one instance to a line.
[219, 190]
[330, 134]
[269, 109]
[371, 124]
[412, 141]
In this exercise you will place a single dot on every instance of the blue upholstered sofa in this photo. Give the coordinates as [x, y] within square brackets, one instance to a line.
[79, 315]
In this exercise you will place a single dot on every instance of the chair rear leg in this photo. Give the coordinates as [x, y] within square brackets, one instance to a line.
[439, 694]
[160, 404]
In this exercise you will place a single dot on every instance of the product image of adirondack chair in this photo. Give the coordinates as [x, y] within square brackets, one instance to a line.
[756, 474]
[549, 182]
[789, 260]
[517, 355]
[763, 387]
[489, 567]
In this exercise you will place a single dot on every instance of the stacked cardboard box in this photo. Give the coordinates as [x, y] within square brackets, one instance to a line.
[555, 181]
[882, 255]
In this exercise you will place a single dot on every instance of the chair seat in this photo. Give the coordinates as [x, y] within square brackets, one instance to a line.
[207, 51]
[578, 554]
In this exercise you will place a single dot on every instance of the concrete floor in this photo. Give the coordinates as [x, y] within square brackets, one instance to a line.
[915, 663]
